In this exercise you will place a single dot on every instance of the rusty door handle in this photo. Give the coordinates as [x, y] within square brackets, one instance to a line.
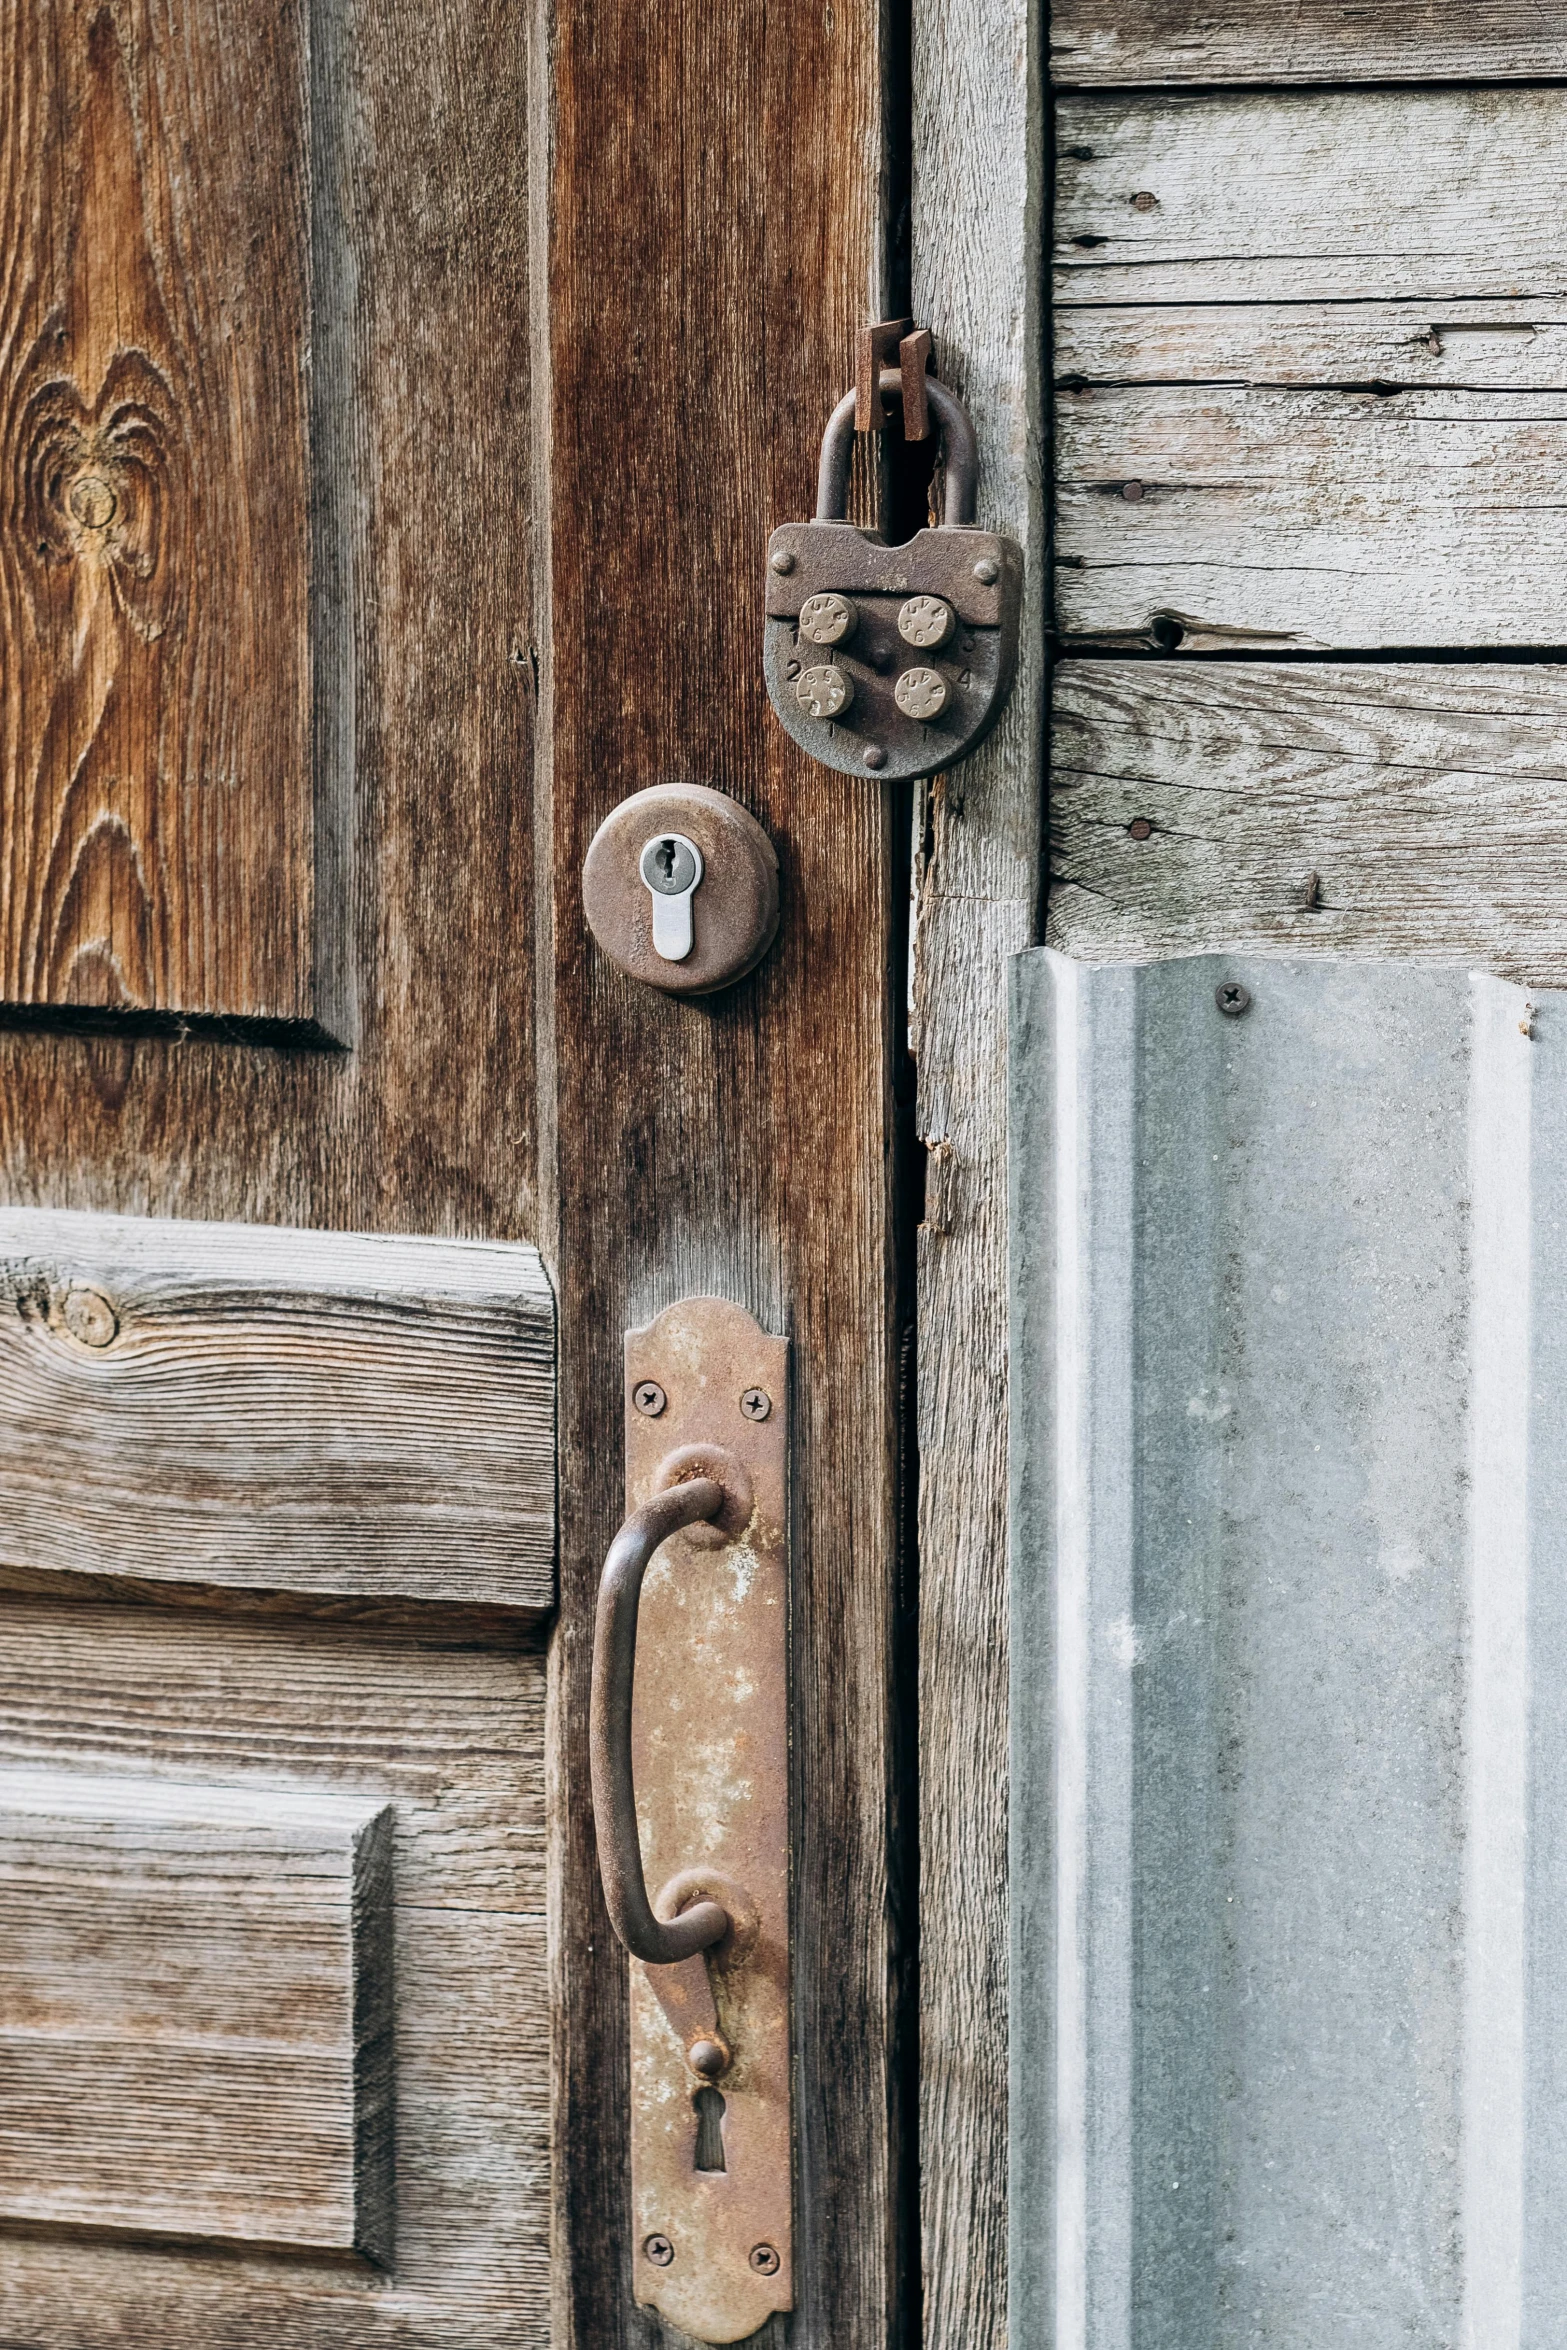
[609, 1731]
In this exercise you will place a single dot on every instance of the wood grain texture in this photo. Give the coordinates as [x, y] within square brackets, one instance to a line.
[1175, 41]
[155, 560]
[716, 241]
[977, 273]
[1299, 520]
[196, 2011]
[1304, 444]
[424, 697]
[444, 1726]
[277, 1410]
[1387, 811]
[1294, 196]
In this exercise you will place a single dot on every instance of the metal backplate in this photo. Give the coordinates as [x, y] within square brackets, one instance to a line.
[874, 736]
[710, 1745]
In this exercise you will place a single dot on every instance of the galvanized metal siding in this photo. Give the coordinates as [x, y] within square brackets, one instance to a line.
[1290, 1648]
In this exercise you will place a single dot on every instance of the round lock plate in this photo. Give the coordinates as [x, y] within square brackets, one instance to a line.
[733, 903]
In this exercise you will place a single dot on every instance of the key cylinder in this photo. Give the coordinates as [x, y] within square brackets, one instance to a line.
[680, 888]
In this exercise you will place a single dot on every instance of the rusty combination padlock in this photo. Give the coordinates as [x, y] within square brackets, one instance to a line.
[892, 660]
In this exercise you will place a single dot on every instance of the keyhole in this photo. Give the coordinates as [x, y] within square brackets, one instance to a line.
[664, 859]
[709, 2136]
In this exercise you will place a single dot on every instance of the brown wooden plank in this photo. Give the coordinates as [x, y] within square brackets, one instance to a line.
[425, 658]
[1342, 810]
[740, 1147]
[196, 1992]
[154, 541]
[443, 1725]
[977, 281]
[229, 1404]
[1176, 41]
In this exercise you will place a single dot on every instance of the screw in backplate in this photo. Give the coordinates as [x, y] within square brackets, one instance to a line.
[874, 756]
[661, 2252]
[649, 1398]
[1232, 999]
[764, 2260]
[987, 571]
[782, 561]
[756, 1403]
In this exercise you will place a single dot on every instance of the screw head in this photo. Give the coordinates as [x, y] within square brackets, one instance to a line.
[764, 2260]
[874, 756]
[1131, 491]
[987, 571]
[659, 2250]
[707, 2057]
[649, 1398]
[1140, 828]
[1145, 200]
[1232, 998]
[756, 1403]
[781, 560]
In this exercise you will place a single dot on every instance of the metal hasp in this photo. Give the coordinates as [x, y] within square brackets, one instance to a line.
[690, 1756]
[892, 661]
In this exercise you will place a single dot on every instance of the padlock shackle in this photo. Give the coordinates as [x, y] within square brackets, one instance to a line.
[962, 455]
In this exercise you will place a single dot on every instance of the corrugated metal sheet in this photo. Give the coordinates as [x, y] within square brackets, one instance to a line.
[1290, 1659]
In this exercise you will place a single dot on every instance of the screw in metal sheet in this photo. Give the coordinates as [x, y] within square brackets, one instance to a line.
[764, 2260]
[756, 1403]
[781, 560]
[987, 571]
[1232, 998]
[659, 2250]
[874, 756]
[649, 1398]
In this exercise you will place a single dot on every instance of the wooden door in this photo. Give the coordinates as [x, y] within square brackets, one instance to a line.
[394, 402]
[1286, 1510]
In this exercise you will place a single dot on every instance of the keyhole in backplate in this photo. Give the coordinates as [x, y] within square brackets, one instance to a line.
[664, 859]
[709, 2135]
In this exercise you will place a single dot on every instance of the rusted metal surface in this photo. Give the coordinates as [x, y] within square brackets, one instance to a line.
[916, 360]
[873, 347]
[710, 1750]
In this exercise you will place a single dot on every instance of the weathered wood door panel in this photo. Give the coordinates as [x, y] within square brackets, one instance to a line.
[393, 403]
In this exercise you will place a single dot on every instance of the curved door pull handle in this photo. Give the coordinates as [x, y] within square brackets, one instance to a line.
[609, 1730]
[689, 1754]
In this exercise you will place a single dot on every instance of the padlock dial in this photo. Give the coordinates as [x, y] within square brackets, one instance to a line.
[826, 619]
[825, 692]
[926, 622]
[921, 693]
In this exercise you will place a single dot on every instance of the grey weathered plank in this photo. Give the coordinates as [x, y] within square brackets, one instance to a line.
[1312, 518]
[196, 2010]
[1402, 809]
[1326, 417]
[1099, 41]
[977, 226]
[1314, 196]
[1496, 345]
[443, 1724]
[308, 1411]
